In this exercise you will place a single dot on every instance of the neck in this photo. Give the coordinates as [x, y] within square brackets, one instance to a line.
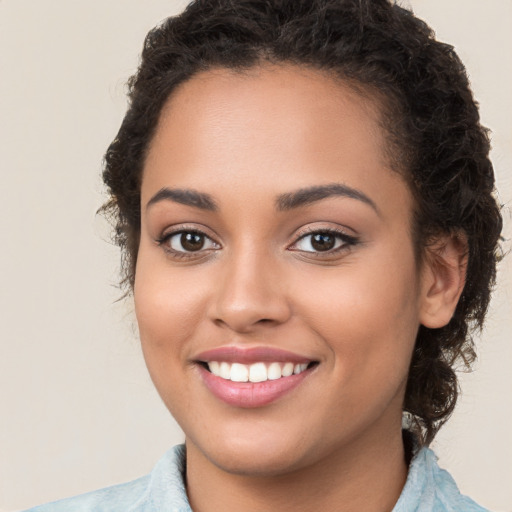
[368, 475]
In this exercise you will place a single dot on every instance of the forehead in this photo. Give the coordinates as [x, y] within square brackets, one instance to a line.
[292, 100]
[270, 126]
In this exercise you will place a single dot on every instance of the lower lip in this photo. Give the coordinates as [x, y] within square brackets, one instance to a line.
[251, 394]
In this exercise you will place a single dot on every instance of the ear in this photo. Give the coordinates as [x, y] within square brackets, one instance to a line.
[443, 279]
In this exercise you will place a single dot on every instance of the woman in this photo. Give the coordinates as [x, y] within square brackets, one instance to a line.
[303, 195]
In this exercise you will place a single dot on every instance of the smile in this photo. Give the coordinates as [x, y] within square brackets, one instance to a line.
[252, 377]
[256, 372]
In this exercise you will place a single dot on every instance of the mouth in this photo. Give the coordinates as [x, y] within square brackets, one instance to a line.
[256, 372]
[255, 377]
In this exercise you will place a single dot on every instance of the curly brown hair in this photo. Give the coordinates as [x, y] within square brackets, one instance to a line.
[435, 139]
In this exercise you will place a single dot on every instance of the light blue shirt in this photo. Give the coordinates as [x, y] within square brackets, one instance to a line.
[427, 489]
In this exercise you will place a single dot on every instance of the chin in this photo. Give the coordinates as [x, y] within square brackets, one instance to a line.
[264, 456]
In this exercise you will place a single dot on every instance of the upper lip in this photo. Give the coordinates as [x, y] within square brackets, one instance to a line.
[233, 354]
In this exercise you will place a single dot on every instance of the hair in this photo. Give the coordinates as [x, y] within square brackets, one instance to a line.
[428, 112]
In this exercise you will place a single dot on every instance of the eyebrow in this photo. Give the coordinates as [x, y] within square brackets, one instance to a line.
[284, 202]
[187, 197]
[306, 196]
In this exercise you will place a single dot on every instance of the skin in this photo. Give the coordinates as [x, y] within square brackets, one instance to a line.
[245, 139]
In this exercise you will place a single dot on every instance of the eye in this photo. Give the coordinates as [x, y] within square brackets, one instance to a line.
[323, 241]
[187, 242]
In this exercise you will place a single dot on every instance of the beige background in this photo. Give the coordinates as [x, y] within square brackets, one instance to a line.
[77, 408]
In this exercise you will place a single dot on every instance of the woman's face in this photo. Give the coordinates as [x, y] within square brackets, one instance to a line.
[275, 238]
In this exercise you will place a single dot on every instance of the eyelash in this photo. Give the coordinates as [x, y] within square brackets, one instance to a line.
[165, 240]
[346, 240]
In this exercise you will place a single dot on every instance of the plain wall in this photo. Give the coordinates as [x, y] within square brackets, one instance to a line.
[78, 410]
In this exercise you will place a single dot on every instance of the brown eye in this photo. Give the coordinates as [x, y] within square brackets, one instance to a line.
[323, 241]
[192, 241]
[189, 241]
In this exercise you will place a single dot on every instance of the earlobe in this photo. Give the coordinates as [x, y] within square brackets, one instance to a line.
[443, 279]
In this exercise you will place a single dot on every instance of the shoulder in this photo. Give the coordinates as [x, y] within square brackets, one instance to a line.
[125, 497]
[431, 489]
[162, 490]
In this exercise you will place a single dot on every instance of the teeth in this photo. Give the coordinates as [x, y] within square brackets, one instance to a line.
[274, 371]
[299, 368]
[257, 372]
[239, 373]
[215, 368]
[225, 370]
[287, 369]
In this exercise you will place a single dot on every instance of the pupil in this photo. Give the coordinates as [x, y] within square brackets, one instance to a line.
[192, 241]
[322, 242]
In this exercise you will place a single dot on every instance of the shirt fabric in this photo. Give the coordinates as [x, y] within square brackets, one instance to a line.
[427, 489]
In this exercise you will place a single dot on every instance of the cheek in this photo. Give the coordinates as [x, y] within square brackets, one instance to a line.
[168, 307]
[166, 316]
[167, 304]
[368, 315]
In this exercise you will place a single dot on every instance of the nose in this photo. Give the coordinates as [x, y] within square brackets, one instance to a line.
[250, 294]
